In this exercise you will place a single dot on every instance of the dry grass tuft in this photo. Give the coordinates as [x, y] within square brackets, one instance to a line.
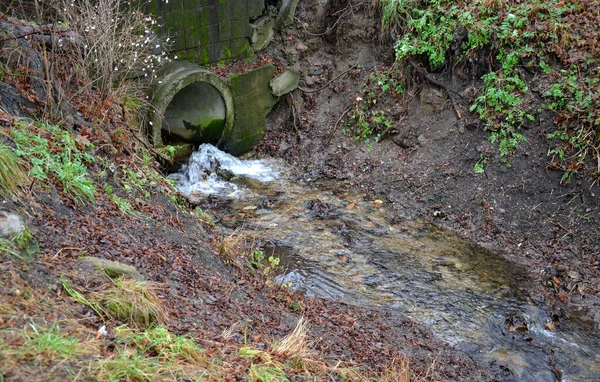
[11, 171]
[297, 346]
[133, 301]
[231, 246]
[398, 371]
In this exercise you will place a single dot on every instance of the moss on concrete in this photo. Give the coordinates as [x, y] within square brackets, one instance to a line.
[252, 100]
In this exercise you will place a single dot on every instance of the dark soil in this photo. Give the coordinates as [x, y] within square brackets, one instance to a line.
[425, 168]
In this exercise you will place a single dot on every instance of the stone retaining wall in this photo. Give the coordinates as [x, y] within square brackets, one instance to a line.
[208, 31]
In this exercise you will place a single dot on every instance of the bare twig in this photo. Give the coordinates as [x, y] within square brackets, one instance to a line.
[294, 115]
[328, 83]
[336, 124]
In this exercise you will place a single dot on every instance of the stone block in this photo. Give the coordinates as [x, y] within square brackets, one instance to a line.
[238, 9]
[239, 28]
[255, 8]
[238, 47]
[191, 4]
[285, 82]
[285, 17]
[210, 15]
[223, 50]
[252, 100]
[213, 33]
[262, 32]
[224, 31]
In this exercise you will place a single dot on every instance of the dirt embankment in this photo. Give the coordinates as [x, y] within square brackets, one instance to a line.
[425, 166]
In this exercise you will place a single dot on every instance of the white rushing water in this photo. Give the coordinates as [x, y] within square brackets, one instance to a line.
[201, 174]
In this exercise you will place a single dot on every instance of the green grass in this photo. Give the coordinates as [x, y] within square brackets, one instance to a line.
[22, 245]
[152, 354]
[54, 152]
[50, 344]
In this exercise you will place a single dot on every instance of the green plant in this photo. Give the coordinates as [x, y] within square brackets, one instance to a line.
[51, 150]
[479, 167]
[50, 344]
[295, 306]
[158, 341]
[257, 260]
[266, 373]
[204, 216]
[80, 298]
[502, 109]
[122, 204]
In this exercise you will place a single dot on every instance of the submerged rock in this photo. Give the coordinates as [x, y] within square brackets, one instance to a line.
[242, 180]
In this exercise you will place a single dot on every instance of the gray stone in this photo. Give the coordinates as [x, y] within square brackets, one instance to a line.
[285, 82]
[245, 181]
[10, 224]
[112, 268]
[262, 32]
[285, 17]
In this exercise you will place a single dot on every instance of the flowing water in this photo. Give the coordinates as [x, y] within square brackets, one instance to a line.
[335, 244]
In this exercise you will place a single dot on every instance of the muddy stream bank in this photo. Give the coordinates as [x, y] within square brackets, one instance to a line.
[334, 244]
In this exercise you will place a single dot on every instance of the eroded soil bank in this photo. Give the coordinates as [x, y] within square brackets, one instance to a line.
[425, 169]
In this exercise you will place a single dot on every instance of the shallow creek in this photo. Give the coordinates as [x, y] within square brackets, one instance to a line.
[335, 244]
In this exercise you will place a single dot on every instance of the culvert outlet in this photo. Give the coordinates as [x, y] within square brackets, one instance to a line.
[189, 104]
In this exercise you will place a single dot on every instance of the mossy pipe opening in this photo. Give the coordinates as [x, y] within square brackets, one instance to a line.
[191, 103]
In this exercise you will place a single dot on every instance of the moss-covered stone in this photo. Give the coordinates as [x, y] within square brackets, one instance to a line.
[262, 32]
[112, 268]
[285, 17]
[252, 100]
[285, 82]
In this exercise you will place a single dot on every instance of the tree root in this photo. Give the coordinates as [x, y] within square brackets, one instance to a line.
[435, 82]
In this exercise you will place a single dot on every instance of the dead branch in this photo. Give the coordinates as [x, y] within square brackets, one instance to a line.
[336, 124]
[328, 83]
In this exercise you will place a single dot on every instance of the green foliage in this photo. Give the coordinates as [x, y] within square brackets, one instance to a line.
[158, 341]
[501, 107]
[479, 167]
[266, 373]
[370, 117]
[53, 151]
[431, 30]
[11, 171]
[204, 216]
[513, 36]
[258, 260]
[295, 306]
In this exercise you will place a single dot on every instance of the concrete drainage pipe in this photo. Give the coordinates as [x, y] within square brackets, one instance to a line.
[190, 104]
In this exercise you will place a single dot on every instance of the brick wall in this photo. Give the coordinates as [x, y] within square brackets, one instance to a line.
[208, 31]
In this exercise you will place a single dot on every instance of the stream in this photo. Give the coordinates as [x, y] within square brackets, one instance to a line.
[334, 243]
